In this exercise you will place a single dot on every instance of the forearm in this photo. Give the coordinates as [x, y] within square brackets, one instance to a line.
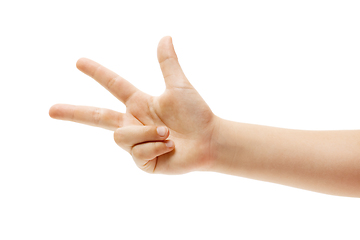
[321, 161]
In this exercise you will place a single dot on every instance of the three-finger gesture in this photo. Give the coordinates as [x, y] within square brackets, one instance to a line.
[170, 133]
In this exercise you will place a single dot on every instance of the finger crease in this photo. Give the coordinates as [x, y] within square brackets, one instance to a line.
[95, 71]
[97, 116]
[111, 82]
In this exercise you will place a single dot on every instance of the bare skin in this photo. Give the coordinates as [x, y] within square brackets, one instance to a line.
[176, 133]
[180, 108]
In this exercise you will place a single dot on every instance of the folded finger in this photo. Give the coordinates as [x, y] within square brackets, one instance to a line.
[98, 117]
[145, 154]
[127, 137]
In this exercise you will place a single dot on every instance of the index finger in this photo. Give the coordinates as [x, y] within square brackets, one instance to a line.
[98, 117]
[115, 84]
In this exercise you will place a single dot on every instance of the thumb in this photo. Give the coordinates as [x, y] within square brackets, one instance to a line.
[169, 64]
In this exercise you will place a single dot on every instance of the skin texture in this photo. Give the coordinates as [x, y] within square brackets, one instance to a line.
[176, 133]
[320, 161]
[187, 117]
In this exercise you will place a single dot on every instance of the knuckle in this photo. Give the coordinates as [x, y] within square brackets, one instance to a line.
[139, 153]
[96, 71]
[158, 148]
[111, 82]
[118, 137]
[150, 131]
[97, 116]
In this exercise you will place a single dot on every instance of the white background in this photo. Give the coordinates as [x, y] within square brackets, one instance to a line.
[292, 64]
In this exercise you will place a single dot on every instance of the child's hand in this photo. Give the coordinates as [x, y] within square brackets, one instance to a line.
[195, 139]
[188, 119]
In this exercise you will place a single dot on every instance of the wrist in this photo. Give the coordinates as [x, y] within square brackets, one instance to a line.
[221, 145]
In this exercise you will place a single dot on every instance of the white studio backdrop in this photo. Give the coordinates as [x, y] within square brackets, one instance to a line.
[291, 64]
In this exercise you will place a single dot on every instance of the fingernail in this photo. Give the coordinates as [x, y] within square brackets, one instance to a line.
[161, 131]
[169, 144]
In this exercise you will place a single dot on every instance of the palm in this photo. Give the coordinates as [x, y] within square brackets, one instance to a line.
[180, 108]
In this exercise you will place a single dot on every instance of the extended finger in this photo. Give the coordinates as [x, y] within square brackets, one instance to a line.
[98, 117]
[115, 84]
[169, 64]
[145, 154]
[127, 137]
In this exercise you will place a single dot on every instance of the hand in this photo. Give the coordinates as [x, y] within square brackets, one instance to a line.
[186, 119]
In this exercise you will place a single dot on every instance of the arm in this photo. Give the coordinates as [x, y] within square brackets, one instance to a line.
[321, 161]
[192, 138]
